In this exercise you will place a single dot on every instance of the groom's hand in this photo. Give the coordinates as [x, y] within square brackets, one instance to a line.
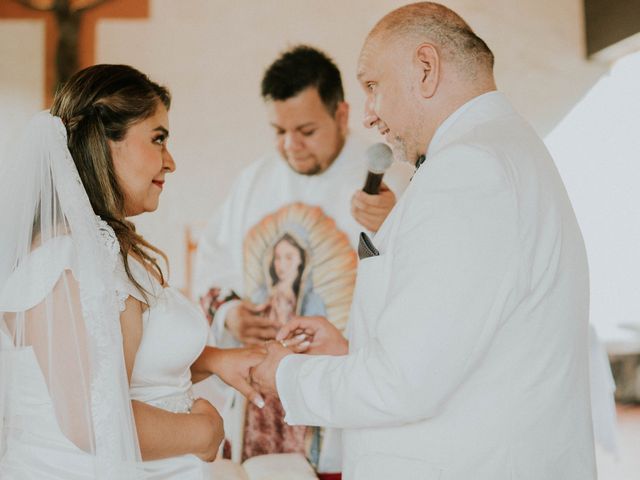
[263, 375]
[313, 335]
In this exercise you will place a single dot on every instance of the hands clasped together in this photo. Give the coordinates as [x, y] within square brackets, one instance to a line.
[311, 335]
[253, 369]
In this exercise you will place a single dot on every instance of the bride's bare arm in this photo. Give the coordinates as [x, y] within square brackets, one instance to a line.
[163, 434]
[232, 365]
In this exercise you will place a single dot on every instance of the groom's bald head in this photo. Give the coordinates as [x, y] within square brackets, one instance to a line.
[438, 25]
[418, 65]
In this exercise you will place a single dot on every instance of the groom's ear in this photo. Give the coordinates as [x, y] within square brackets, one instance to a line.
[427, 70]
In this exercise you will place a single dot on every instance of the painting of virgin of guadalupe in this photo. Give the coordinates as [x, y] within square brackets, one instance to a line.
[298, 262]
[286, 273]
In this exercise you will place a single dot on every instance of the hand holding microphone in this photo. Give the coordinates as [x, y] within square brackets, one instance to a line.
[379, 158]
[371, 205]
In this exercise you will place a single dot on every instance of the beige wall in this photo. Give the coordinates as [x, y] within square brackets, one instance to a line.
[21, 75]
[212, 53]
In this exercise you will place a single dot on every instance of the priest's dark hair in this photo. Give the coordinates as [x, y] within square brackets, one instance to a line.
[299, 68]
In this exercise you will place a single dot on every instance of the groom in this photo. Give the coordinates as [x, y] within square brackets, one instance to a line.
[468, 332]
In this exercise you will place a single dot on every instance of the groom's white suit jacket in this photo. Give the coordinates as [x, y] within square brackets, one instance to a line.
[468, 333]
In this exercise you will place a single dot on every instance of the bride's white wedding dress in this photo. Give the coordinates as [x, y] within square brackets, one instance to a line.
[174, 334]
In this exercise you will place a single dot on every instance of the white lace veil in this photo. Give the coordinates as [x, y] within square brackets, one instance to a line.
[64, 402]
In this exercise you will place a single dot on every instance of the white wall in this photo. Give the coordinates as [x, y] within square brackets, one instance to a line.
[596, 149]
[212, 55]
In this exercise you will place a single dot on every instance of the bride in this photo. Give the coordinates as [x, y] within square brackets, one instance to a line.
[97, 352]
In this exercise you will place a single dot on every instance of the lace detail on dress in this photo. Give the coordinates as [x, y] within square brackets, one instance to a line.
[108, 238]
[122, 299]
[177, 403]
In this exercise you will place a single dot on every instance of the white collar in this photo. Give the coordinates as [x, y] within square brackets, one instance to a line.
[487, 101]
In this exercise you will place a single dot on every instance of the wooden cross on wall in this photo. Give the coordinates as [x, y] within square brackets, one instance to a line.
[75, 48]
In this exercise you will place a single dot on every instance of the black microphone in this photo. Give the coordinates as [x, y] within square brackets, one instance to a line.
[379, 158]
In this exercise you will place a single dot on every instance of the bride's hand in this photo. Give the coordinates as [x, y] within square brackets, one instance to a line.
[232, 365]
[213, 431]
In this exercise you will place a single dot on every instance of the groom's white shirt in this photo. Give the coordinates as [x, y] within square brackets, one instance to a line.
[468, 352]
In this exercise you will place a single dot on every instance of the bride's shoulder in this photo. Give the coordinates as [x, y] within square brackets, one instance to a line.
[126, 287]
[49, 258]
[37, 273]
[125, 278]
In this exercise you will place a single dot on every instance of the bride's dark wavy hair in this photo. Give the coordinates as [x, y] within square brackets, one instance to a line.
[98, 104]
